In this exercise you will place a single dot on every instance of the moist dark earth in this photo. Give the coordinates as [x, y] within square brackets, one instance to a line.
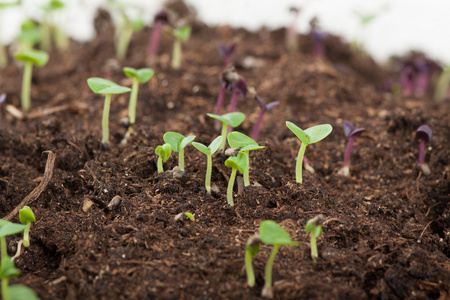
[387, 227]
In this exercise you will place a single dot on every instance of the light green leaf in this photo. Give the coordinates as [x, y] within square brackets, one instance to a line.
[37, 57]
[164, 151]
[302, 136]
[26, 215]
[233, 119]
[182, 33]
[316, 230]
[174, 139]
[238, 162]
[104, 86]
[272, 234]
[21, 292]
[238, 139]
[143, 75]
[8, 228]
[214, 146]
[186, 141]
[318, 132]
[7, 269]
[202, 148]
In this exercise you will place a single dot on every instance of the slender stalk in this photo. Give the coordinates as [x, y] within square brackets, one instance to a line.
[26, 84]
[154, 42]
[247, 171]
[421, 152]
[45, 35]
[124, 40]
[5, 290]
[348, 151]
[133, 102]
[257, 125]
[299, 164]
[105, 120]
[314, 253]
[230, 187]
[249, 269]
[176, 54]
[208, 174]
[233, 102]
[61, 40]
[224, 135]
[269, 265]
[181, 160]
[3, 250]
[220, 98]
[26, 235]
[160, 165]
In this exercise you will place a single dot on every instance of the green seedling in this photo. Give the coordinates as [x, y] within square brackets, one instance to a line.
[124, 31]
[185, 216]
[314, 226]
[246, 144]
[107, 87]
[139, 76]
[61, 40]
[270, 233]
[209, 151]
[26, 216]
[30, 35]
[308, 136]
[180, 36]
[29, 58]
[237, 163]
[178, 143]
[163, 152]
[233, 119]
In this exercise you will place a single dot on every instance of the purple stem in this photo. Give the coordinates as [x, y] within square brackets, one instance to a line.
[422, 152]
[348, 151]
[233, 102]
[319, 50]
[257, 125]
[421, 84]
[220, 98]
[154, 40]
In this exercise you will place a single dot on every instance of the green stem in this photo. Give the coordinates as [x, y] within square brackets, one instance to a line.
[249, 269]
[45, 35]
[105, 120]
[133, 102]
[26, 84]
[299, 164]
[208, 174]
[181, 160]
[3, 250]
[247, 171]
[224, 135]
[160, 165]
[26, 235]
[269, 265]
[176, 54]
[314, 253]
[61, 39]
[4, 253]
[124, 40]
[5, 290]
[230, 187]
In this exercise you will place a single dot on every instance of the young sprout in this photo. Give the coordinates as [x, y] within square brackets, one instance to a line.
[245, 143]
[139, 76]
[307, 166]
[226, 52]
[178, 143]
[272, 234]
[239, 88]
[209, 151]
[30, 35]
[251, 249]
[163, 152]
[229, 75]
[180, 36]
[236, 163]
[308, 136]
[107, 87]
[30, 58]
[159, 20]
[185, 216]
[61, 40]
[124, 31]
[314, 226]
[318, 38]
[26, 216]
[423, 135]
[264, 108]
[351, 133]
[233, 119]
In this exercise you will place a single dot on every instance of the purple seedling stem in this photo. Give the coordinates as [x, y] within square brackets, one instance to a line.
[160, 20]
[226, 52]
[239, 88]
[423, 135]
[318, 38]
[264, 108]
[2, 100]
[229, 76]
[351, 133]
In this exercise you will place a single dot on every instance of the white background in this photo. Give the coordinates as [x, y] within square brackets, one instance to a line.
[400, 25]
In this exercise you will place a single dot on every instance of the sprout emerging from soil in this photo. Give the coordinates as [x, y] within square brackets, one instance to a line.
[237, 163]
[209, 151]
[272, 234]
[124, 31]
[163, 152]
[160, 19]
[139, 76]
[423, 135]
[26, 216]
[251, 249]
[229, 76]
[185, 216]
[107, 87]
[233, 119]
[264, 108]
[30, 35]
[180, 36]
[30, 58]
[178, 143]
[314, 226]
[240, 141]
[239, 88]
[318, 38]
[308, 136]
[441, 92]
[350, 133]
[226, 52]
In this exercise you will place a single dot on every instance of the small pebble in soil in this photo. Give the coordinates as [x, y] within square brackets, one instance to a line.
[114, 203]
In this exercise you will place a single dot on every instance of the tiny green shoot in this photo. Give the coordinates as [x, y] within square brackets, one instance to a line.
[251, 249]
[30, 35]
[107, 87]
[272, 234]
[209, 151]
[236, 163]
[139, 76]
[30, 58]
[308, 136]
[26, 216]
[314, 226]
[246, 144]
[233, 119]
[124, 31]
[163, 152]
[178, 143]
[180, 36]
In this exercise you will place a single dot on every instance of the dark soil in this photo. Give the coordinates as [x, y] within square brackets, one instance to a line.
[387, 228]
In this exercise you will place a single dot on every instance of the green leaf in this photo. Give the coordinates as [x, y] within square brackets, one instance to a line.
[53, 5]
[186, 141]
[316, 230]
[137, 23]
[3, 5]
[272, 234]
[37, 57]
[318, 132]
[239, 140]
[143, 75]
[104, 86]
[252, 147]
[202, 148]
[21, 292]
[182, 33]
[298, 132]
[238, 162]
[29, 32]
[26, 215]
[7, 269]
[174, 139]
[8, 228]
[214, 146]
[233, 119]
[253, 249]
[164, 151]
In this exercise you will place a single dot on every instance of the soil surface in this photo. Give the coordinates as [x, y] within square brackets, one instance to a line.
[387, 227]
